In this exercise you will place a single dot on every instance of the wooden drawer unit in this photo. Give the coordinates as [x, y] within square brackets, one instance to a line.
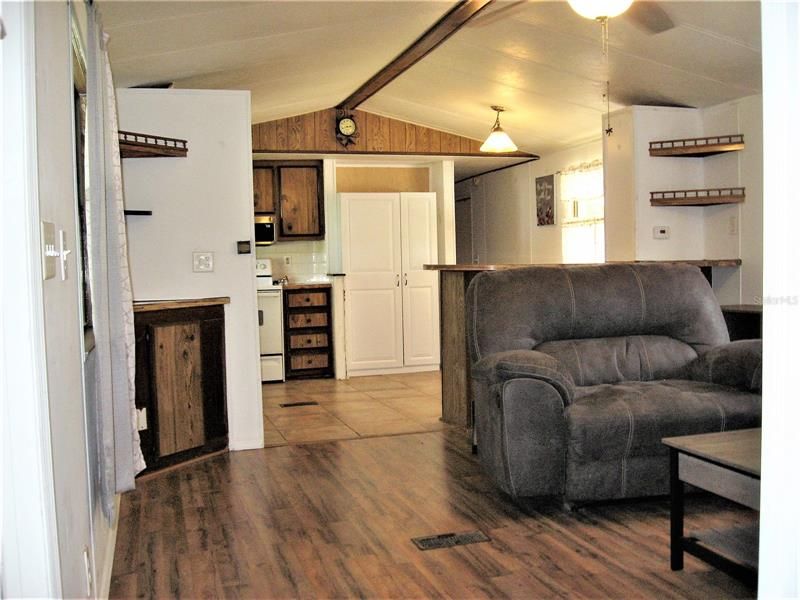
[308, 333]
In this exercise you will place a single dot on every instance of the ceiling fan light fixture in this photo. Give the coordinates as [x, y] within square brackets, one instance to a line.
[498, 141]
[600, 9]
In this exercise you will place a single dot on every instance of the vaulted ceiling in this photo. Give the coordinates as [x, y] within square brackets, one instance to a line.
[539, 59]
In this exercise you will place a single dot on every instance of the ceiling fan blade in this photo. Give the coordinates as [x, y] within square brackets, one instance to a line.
[649, 16]
[158, 85]
[492, 16]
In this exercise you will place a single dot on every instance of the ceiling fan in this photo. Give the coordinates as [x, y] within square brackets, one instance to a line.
[648, 16]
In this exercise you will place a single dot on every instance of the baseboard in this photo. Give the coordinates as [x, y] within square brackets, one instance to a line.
[393, 371]
[253, 444]
[103, 587]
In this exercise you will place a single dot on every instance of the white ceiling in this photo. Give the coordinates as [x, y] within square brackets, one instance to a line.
[540, 59]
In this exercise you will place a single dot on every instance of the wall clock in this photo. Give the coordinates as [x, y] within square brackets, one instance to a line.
[346, 130]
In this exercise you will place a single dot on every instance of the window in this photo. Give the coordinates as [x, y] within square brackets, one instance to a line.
[582, 207]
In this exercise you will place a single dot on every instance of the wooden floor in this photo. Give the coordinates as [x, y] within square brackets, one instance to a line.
[334, 520]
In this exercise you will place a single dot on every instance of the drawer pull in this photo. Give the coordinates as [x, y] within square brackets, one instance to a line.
[308, 319]
[308, 341]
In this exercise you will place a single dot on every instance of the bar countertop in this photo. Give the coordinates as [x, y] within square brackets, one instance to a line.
[712, 262]
[149, 305]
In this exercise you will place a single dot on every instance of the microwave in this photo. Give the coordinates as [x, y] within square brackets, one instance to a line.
[265, 230]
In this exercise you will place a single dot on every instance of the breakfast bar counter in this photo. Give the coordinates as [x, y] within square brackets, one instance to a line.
[453, 282]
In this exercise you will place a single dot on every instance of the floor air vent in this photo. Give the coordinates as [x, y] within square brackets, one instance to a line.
[448, 540]
[293, 404]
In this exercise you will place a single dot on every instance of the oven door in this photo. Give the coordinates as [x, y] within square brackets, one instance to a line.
[265, 230]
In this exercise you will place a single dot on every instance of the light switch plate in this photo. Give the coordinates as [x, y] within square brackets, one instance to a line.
[49, 250]
[202, 262]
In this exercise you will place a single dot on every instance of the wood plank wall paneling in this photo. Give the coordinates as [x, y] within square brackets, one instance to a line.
[178, 369]
[315, 133]
[382, 179]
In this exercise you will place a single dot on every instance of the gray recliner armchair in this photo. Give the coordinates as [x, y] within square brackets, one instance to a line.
[578, 372]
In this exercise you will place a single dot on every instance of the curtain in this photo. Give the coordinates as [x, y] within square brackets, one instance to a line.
[582, 207]
[119, 450]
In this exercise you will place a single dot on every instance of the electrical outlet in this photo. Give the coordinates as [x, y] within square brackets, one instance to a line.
[287, 260]
[661, 232]
[733, 225]
[202, 262]
[141, 419]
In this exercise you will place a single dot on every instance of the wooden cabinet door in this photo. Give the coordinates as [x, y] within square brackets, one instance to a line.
[178, 387]
[299, 202]
[263, 190]
[420, 287]
[371, 258]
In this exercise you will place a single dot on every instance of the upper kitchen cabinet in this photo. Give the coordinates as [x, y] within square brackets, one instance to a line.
[293, 190]
[263, 190]
[301, 207]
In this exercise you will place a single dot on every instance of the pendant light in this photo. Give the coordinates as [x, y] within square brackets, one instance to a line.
[498, 140]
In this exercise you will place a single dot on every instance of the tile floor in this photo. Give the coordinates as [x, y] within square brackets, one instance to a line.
[352, 408]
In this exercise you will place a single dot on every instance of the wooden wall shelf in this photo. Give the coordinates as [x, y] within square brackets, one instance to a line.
[143, 145]
[705, 197]
[698, 147]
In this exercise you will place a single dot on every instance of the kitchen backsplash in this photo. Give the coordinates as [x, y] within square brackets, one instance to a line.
[307, 261]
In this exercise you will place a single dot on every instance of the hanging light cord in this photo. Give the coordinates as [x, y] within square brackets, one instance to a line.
[607, 95]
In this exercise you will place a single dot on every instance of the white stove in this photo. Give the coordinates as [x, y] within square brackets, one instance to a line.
[264, 275]
[270, 322]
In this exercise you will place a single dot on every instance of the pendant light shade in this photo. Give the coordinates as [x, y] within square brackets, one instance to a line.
[498, 140]
[598, 9]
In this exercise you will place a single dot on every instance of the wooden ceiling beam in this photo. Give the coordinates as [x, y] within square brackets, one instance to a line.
[451, 22]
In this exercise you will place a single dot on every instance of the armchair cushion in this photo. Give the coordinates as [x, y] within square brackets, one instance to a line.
[737, 364]
[525, 364]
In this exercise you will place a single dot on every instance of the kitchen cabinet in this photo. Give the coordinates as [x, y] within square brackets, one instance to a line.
[391, 302]
[308, 331]
[180, 379]
[293, 191]
[263, 190]
[301, 207]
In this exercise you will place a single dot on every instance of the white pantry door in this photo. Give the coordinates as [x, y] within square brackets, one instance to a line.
[373, 296]
[420, 287]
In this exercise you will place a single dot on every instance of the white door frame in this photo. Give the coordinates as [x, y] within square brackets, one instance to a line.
[29, 542]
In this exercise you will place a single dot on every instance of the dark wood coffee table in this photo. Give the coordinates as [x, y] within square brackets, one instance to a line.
[727, 464]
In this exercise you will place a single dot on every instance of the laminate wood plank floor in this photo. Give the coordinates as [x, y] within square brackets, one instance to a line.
[352, 408]
[334, 520]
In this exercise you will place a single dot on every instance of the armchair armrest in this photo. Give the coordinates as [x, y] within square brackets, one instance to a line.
[737, 364]
[525, 364]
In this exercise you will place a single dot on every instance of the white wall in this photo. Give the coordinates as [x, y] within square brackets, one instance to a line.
[779, 542]
[737, 230]
[29, 536]
[503, 205]
[630, 169]
[728, 231]
[200, 203]
[442, 183]
[63, 328]
[546, 245]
